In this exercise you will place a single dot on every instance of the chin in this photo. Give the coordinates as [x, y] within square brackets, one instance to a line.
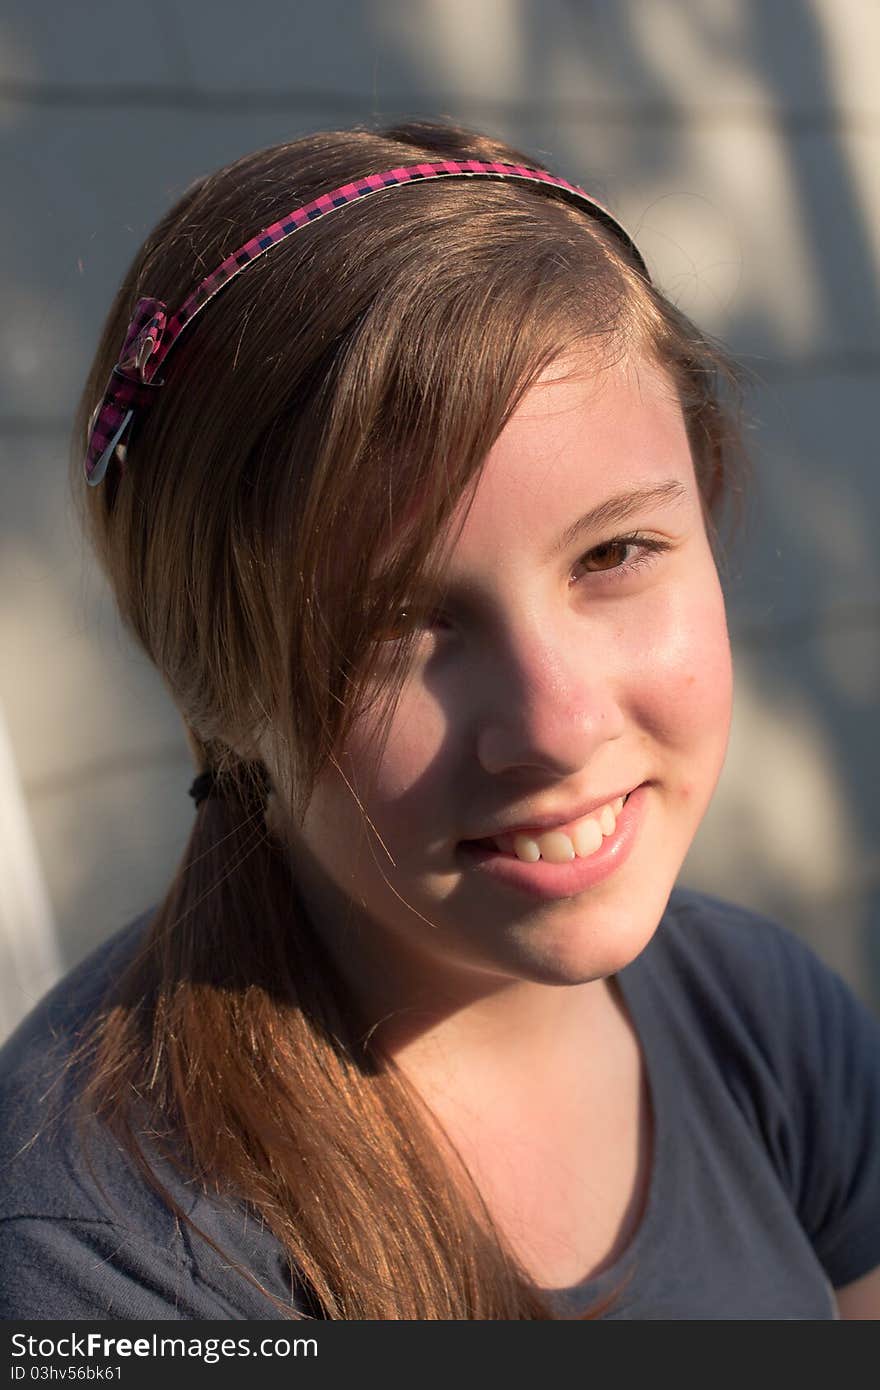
[595, 943]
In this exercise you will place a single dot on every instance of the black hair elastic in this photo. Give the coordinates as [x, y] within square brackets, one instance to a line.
[203, 787]
[251, 790]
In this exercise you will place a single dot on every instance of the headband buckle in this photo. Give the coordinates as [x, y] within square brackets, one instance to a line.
[129, 389]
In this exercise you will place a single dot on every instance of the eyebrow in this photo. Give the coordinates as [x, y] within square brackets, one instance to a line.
[618, 508]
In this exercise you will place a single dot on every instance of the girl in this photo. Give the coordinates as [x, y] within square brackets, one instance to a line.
[416, 510]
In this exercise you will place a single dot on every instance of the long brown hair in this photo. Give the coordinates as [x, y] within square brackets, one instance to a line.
[314, 435]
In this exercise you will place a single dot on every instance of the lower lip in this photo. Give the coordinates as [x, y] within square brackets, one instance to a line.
[548, 881]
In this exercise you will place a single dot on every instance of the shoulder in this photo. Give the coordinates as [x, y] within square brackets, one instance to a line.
[798, 1051]
[55, 1167]
[701, 926]
[80, 1234]
[71, 1207]
[83, 1232]
[731, 991]
[756, 991]
[39, 1082]
[724, 950]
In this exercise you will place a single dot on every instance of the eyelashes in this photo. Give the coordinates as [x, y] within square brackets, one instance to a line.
[647, 550]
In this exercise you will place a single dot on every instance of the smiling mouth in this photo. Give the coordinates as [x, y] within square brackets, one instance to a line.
[579, 840]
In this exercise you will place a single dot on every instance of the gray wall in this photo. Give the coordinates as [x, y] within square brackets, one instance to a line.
[739, 141]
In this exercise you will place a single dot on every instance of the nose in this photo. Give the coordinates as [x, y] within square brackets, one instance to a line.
[547, 703]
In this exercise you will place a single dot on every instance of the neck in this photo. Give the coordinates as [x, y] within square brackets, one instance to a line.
[525, 1040]
[449, 1021]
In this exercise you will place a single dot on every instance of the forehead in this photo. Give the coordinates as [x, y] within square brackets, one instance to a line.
[607, 413]
[579, 437]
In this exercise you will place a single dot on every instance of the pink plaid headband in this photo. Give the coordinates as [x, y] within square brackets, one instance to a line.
[152, 333]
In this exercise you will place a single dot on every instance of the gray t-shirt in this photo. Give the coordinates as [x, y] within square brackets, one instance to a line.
[764, 1074]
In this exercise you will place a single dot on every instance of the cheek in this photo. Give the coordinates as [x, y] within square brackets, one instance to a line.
[686, 686]
[413, 750]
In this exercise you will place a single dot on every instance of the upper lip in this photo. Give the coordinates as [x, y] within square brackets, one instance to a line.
[549, 820]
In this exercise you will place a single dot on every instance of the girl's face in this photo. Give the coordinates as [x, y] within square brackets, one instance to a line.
[579, 652]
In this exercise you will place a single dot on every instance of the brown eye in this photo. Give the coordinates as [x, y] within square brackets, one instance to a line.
[404, 622]
[396, 628]
[608, 562]
[608, 556]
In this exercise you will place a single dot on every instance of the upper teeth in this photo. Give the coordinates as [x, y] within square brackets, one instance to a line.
[579, 839]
